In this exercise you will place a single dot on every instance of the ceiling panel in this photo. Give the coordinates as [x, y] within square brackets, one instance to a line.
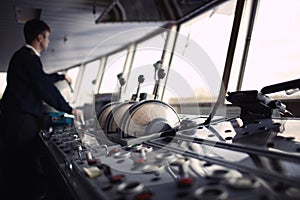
[74, 32]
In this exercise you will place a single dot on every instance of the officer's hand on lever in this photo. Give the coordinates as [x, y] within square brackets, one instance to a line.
[69, 81]
[68, 78]
[78, 114]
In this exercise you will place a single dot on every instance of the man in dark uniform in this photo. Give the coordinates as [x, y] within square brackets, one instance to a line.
[28, 86]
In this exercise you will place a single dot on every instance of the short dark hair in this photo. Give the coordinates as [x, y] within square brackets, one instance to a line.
[33, 28]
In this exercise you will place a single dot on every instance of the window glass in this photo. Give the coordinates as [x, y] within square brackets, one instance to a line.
[199, 57]
[86, 89]
[239, 49]
[114, 66]
[274, 50]
[146, 54]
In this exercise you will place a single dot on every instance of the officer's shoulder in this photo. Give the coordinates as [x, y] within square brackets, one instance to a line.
[25, 51]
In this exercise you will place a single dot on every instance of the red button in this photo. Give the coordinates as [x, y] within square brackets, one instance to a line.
[144, 196]
[184, 182]
[92, 161]
[139, 161]
[117, 178]
[113, 151]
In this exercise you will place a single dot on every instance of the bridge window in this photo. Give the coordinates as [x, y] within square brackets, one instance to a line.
[199, 57]
[274, 49]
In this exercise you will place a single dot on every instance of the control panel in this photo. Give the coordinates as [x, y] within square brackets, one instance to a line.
[224, 160]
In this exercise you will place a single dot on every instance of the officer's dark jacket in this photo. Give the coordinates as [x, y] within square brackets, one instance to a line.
[28, 86]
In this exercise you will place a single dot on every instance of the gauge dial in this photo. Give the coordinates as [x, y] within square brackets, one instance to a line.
[113, 119]
[105, 111]
[149, 116]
